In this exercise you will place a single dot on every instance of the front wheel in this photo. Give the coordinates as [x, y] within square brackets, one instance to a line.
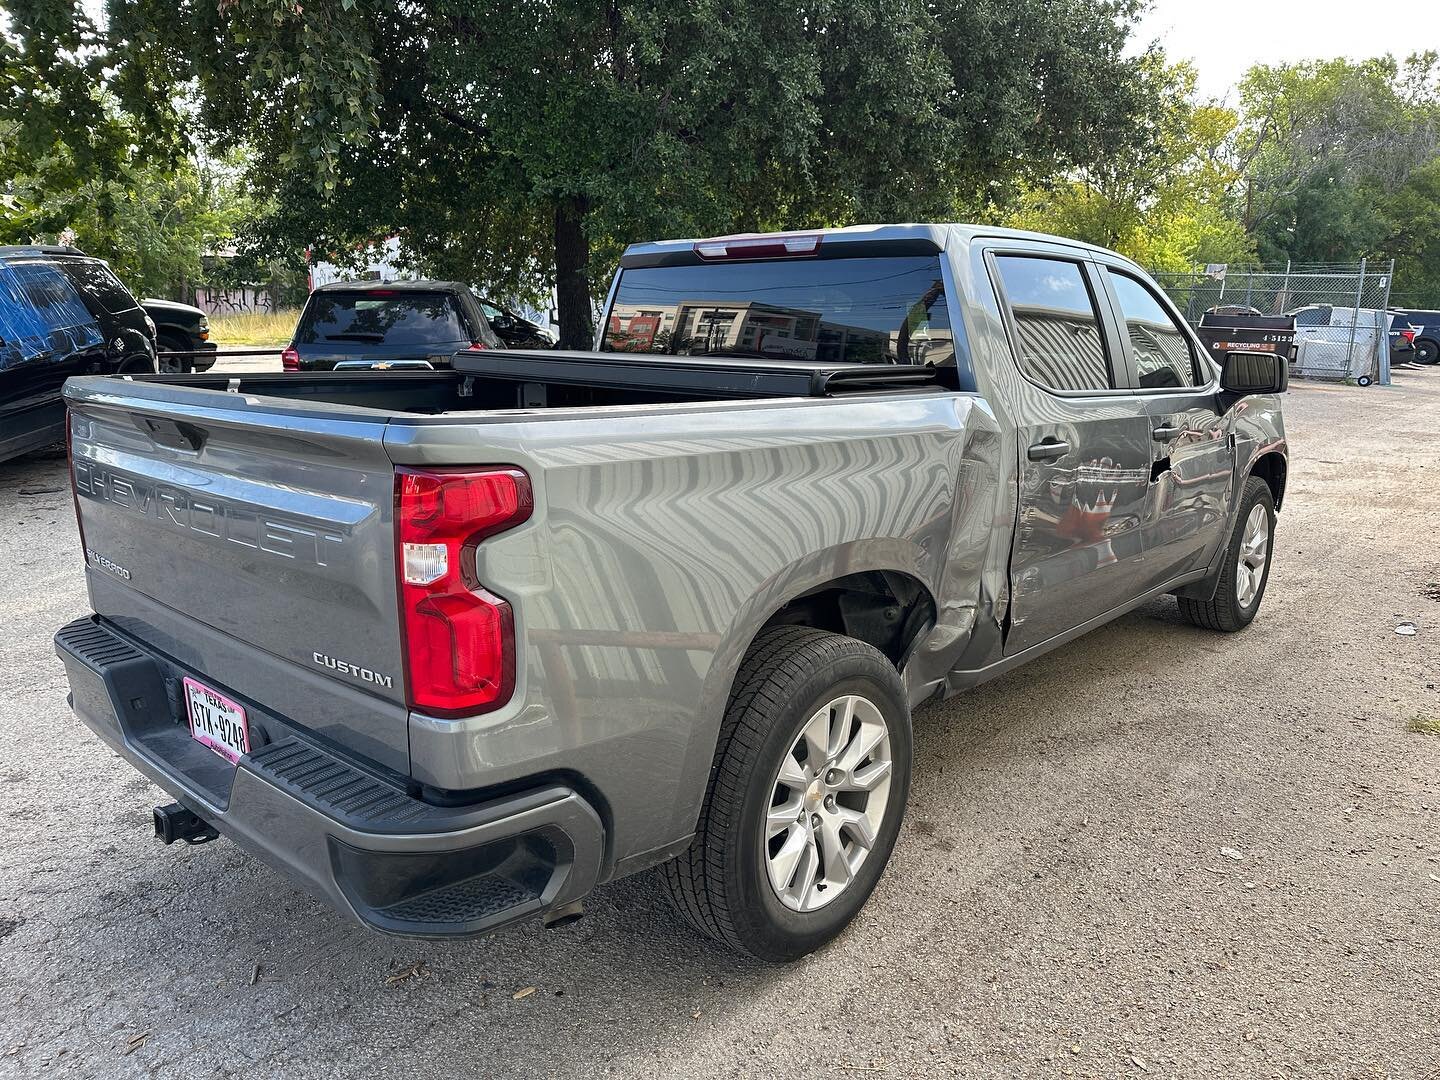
[173, 365]
[805, 798]
[1246, 569]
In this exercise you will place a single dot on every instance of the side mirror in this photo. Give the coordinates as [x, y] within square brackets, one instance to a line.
[1254, 373]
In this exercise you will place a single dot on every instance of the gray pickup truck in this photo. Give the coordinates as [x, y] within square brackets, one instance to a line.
[453, 647]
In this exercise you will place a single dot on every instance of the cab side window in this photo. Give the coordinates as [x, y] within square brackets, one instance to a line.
[1164, 357]
[1059, 344]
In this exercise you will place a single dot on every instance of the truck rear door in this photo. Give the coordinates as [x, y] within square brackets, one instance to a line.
[250, 540]
[1084, 447]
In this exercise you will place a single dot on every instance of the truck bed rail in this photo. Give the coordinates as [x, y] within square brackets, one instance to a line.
[701, 376]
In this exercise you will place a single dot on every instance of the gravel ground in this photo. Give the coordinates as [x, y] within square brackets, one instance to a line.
[1156, 852]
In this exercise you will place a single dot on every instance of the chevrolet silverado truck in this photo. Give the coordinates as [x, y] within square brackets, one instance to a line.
[453, 647]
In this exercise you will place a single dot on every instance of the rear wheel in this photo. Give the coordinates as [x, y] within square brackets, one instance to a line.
[1246, 569]
[805, 798]
[1426, 352]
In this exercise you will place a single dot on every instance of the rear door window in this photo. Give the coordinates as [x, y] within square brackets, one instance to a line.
[382, 318]
[99, 286]
[1163, 356]
[874, 310]
[41, 314]
[1057, 324]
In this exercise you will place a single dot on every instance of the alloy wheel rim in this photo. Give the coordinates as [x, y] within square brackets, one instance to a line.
[827, 802]
[1254, 554]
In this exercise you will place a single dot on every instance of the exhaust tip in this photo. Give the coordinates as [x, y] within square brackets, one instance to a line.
[563, 916]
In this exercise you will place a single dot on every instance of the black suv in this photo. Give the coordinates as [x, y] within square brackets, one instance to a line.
[1427, 334]
[62, 313]
[389, 324]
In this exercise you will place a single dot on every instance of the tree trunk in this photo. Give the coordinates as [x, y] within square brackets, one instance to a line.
[572, 273]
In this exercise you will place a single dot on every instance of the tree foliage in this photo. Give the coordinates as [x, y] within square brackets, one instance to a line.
[521, 145]
[1329, 161]
[1166, 200]
[1339, 160]
[85, 155]
[508, 142]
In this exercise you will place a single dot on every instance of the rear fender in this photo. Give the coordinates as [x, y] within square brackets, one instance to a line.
[805, 575]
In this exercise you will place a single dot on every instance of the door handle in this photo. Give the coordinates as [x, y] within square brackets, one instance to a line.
[1047, 450]
[1167, 432]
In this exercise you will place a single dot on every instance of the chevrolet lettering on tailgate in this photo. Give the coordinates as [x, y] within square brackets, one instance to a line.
[210, 517]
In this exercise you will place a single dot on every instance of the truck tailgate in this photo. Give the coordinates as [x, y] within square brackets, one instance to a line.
[252, 539]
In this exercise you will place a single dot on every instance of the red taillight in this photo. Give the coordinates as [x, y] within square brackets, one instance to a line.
[290, 358]
[74, 487]
[476, 346]
[459, 638]
[1408, 335]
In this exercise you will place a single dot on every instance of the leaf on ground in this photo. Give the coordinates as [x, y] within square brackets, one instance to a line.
[523, 993]
[414, 971]
[135, 1043]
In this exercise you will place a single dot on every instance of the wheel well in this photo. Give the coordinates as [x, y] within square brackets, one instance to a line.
[1271, 468]
[884, 608]
[136, 365]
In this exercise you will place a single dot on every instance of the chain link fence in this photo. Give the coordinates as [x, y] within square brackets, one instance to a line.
[1341, 324]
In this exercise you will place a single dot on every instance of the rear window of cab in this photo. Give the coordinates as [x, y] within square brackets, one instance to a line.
[865, 310]
[396, 318]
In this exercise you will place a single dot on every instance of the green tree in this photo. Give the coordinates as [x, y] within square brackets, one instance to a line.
[61, 128]
[1167, 199]
[516, 145]
[153, 222]
[75, 161]
[1412, 214]
[1324, 146]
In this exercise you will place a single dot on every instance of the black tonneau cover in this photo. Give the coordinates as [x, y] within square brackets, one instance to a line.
[702, 376]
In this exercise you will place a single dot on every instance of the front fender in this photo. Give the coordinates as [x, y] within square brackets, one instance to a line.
[1258, 427]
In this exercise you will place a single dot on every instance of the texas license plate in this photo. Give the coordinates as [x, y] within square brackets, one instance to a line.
[216, 721]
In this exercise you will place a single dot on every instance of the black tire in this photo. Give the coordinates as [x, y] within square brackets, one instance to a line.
[1224, 611]
[720, 884]
[168, 343]
[136, 365]
[1426, 351]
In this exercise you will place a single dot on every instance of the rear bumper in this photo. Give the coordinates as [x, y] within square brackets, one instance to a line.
[391, 861]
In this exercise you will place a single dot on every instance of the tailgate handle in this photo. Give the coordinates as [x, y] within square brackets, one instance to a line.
[173, 433]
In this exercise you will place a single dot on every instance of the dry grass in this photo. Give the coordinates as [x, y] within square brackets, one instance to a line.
[257, 328]
[1423, 725]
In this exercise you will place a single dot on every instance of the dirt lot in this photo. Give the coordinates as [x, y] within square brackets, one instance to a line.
[1157, 852]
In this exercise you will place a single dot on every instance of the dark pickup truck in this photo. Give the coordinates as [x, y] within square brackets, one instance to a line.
[451, 647]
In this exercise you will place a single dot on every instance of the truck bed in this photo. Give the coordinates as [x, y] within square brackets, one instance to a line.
[494, 380]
